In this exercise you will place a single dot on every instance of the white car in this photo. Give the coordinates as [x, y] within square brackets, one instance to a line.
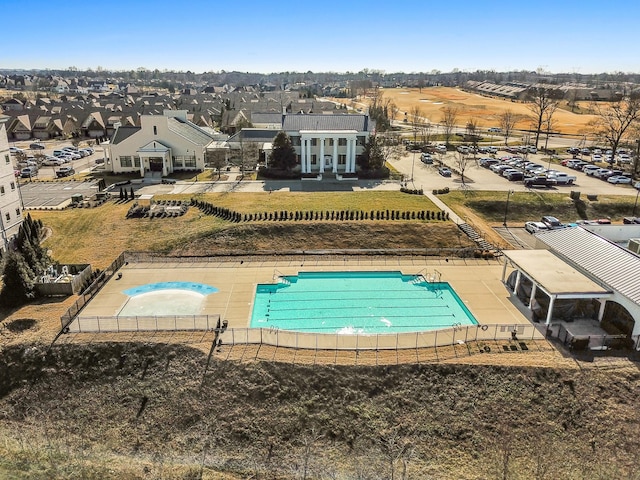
[619, 179]
[535, 227]
[52, 162]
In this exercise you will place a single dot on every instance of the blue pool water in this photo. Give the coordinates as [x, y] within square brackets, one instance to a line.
[165, 298]
[152, 287]
[358, 302]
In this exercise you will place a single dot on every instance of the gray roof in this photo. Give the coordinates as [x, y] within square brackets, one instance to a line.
[263, 135]
[297, 122]
[189, 131]
[122, 133]
[611, 264]
[271, 117]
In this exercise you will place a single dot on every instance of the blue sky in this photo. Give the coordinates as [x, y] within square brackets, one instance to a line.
[332, 35]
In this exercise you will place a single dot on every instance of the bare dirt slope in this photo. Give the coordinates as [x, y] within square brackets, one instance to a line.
[153, 411]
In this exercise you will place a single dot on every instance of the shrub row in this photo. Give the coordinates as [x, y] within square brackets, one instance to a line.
[441, 191]
[412, 191]
[220, 212]
[286, 215]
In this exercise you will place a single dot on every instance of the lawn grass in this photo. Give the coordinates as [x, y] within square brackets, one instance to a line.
[527, 206]
[363, 200]
[98, 235]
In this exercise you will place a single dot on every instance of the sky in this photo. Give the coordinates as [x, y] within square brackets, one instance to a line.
[559, 36]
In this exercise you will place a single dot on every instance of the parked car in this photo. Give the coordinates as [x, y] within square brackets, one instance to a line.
[426, 158]
[52, 162]
[619, 179]
[14, 150]
[487, 162]
[535, 227]
[70, 149]
[444, 171]
[36, 146]
[28, 172]
[589, 169]
[515, 176]
[539, 181]
[441, 148]
[551, 222]
[573, 150]
[602, 173]
[65, 172]
[562, 178]
[495, 129]
[585, 151]
[636, 185]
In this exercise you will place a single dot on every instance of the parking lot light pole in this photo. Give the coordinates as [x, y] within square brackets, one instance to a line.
[506, 208]
[636, 203]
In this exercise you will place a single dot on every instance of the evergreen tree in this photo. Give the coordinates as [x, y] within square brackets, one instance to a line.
[283, 155]
[372, 157]
[17, 281]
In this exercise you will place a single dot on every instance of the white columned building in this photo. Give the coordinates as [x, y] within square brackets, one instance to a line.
[328, 143]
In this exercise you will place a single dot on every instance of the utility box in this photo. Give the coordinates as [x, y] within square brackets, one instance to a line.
[77, 198]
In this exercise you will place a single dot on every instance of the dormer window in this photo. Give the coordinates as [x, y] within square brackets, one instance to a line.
[155, 130]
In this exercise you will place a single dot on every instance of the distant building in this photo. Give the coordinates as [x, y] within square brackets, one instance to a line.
[11, 211]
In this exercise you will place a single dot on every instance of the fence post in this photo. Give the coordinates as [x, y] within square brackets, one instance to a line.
[466, 334]
[435, 340]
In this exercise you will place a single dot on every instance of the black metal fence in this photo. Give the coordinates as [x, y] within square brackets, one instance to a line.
[91, 291]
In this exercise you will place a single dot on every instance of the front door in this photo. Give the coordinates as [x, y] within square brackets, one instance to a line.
[328, 160]
[155, 164]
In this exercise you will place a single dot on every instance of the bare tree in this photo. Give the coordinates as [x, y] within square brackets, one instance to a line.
[507, 121]
[217, 159]
[541, 102]
[461, 162]
[449, 118]
[616, 120]
[416, 120]
[549, 125]
[426, 131]
[472, 134]
[248, 156]
[390, 147]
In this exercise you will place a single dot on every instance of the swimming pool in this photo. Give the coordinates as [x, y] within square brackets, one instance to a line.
[165, 298]
[358, 303]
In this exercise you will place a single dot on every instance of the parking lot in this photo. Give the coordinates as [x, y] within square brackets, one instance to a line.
[53, 194]
[480, 178]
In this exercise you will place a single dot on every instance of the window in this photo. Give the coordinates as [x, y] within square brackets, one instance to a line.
[136, 161]
[314, 142]
[155, 130]
[314, 159]
[342, 159]
[1, 189]
[360, 141]
[125, 161]
[331, 142]
[8, 216]
[342, 142]
[13, 185]
[7, 160]
[190, 162]
[177, 162]
[295, 141]
[17, 212]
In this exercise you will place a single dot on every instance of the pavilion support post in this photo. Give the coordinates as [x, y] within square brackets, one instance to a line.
[552, 299]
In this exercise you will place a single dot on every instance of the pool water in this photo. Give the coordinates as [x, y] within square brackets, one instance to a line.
[165, 298]
[358, 302]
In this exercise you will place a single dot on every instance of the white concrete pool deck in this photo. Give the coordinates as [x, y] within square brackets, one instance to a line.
[476, 281]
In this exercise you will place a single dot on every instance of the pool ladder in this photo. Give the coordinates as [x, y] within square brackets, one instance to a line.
[280, 277]
[424, 276]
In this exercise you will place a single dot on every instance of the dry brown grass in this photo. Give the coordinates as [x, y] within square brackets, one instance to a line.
[484, 110]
